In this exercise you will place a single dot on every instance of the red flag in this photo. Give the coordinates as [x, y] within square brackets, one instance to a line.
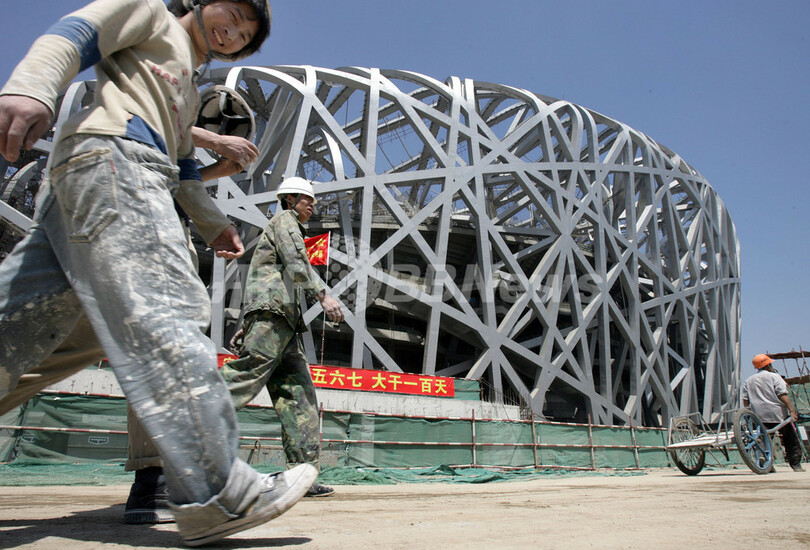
[223, 358]
[318, 249]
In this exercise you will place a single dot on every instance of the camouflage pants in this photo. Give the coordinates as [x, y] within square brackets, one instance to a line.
[108, 244]
[273, 357]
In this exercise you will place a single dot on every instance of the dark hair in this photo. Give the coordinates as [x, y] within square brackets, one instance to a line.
[264, 15]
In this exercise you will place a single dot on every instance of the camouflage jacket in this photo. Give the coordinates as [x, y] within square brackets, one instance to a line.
[280, 269]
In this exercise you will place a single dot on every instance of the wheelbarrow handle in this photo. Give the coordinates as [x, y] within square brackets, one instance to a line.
[783, 423]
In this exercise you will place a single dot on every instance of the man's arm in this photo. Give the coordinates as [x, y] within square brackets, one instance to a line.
[785, 399]
[331, 307]
[293, 254]
[216, 229]
[72, 44]
[234, 148]
[195, 201]
[237, 153]
[220, 169]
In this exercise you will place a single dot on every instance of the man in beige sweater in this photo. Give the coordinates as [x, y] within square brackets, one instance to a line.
[107, 243]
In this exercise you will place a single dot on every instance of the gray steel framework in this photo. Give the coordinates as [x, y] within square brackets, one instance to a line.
[565, 259]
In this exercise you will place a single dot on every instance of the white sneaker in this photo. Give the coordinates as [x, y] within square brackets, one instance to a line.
[281, 491]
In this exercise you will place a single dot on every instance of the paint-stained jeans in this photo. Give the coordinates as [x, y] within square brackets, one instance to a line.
[272, 357]
[108, 243]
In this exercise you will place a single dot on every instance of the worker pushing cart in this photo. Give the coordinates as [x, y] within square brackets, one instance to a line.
[766, 393]
[767, 409]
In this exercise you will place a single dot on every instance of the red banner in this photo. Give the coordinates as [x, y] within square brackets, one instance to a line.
[341, 378]
[344, 378]
[318, 249]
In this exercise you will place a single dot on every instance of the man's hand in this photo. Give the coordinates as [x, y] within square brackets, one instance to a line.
[331, 307]
[23, 120]
[220, 169]
[228, 245]
[236, 341]
[237, 149]
[785, 399]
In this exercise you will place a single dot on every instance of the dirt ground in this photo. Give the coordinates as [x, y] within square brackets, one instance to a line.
[722, 508]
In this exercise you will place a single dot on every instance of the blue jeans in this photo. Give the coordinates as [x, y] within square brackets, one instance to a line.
[108, 244]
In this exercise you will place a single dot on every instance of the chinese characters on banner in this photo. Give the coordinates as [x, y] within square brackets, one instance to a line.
[342, 378]
[318, 249]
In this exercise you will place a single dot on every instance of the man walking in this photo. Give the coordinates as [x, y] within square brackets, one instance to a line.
[108, 244]
[766, 393]
[271, 355]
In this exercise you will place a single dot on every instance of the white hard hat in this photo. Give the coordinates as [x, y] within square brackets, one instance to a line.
[295, 186]
[225, 112]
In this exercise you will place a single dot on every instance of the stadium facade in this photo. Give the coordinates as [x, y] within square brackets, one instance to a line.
[570, 263]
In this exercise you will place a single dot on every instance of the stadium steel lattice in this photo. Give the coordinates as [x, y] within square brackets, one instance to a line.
[568, 261]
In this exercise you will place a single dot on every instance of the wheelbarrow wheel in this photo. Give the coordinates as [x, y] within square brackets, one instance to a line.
[688, 460]
[753, 441]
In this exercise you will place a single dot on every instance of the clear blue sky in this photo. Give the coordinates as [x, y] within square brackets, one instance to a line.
[723, 83]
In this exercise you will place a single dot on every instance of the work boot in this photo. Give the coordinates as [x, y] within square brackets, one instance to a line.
[318, 490]
[279, 492]
[148, 500]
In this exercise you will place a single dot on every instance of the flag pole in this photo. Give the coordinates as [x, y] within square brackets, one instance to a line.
[323, 335]
[323, 324]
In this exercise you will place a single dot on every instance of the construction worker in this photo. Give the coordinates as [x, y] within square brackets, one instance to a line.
[108, 244]
[148, 501]
[766, 394]
[81, 348]
[272, 352]
[272, 355]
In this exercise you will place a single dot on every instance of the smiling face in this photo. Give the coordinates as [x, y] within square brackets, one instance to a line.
[229, 27]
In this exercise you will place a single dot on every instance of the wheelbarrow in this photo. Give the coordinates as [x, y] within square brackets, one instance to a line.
[689, 438]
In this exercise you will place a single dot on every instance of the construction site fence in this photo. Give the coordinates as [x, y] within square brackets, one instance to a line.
[60, 428]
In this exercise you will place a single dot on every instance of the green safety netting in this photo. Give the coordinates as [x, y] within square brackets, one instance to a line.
[61, 429]
[800, 395]
[447, 474]
[34, 473]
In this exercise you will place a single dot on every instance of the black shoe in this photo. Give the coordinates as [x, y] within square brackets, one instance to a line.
[797, 467]
[148, 500]
[318, 490]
